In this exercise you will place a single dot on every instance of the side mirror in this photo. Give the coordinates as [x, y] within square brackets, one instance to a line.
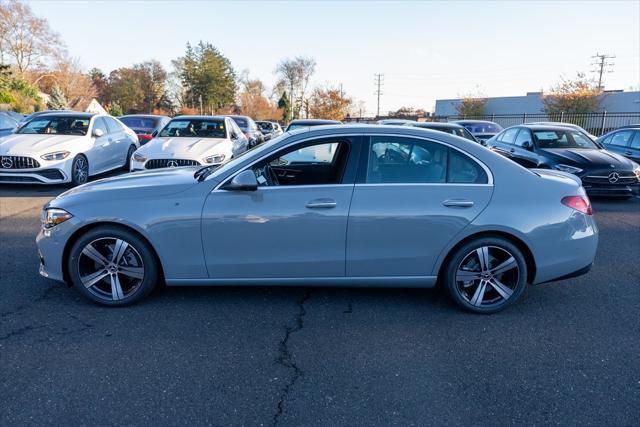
[154, 134]
[98, 133]
[234, 135]
[527, 145]
[244, 181]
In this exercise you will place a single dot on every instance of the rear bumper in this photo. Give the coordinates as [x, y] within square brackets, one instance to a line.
[580, 272]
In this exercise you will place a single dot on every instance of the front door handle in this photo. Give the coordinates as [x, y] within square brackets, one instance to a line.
[457, 203]
[512, 150]
[321, 204]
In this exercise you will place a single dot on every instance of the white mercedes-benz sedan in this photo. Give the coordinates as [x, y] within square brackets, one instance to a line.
[192, 141]
[65, 147]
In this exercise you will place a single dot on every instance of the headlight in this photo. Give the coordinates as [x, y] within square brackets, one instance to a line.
[139, 157]
[54, 216]
[567, 168]
[57, 155]
[637, 172]
[215, 159]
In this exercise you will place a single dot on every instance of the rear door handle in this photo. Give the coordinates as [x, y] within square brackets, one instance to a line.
[512, 150]
[457, 203]
[321, 204]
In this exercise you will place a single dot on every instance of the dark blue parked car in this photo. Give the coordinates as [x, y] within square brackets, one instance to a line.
[625, 141]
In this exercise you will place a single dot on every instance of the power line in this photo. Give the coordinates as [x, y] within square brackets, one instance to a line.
[601, 65]
[378, 82]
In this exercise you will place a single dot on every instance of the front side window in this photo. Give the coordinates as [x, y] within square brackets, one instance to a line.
[113, 125]
[304, 164]
[509, 135]
[635, 143]
[241, 122]
[59, 125]
[406, 160]
[523, 136]
[98, 123]
[621, 139]
[195, 128]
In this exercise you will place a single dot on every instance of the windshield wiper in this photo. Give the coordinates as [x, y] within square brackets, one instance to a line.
[204, 172]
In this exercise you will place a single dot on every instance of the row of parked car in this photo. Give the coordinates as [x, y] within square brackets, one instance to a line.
[69, 147]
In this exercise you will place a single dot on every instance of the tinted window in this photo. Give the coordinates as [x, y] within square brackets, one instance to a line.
[463, 170]
[315, 154]
[139, 122]
[635, 142]
[404, 160]
[482, 127]
[195, 128]
[562, 139]
[61, 125]
[98, 123]
[112, 125]
[621, 139]
[6, 122]
[241, 122]
[523, 136]
[509, 135]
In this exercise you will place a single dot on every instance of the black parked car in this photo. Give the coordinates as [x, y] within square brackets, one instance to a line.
[305, 123]
[482, 130]
[250, 129]
[451, 128]
[603, 173]
[625, 141]
[146, 126]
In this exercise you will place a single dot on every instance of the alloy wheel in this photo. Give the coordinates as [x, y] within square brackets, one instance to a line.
[80, 170]
[111, 268]
[487, 276]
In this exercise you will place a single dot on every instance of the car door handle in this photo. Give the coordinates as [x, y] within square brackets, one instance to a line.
[512, 150]
[321, 204]
[628, 153]
[457, 203]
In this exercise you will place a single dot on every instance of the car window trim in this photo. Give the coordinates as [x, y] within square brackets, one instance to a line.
[364, 161]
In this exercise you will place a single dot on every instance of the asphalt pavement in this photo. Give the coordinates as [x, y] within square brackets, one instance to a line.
[566, 353]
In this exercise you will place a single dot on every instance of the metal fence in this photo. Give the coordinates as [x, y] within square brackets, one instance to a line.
[594, 123]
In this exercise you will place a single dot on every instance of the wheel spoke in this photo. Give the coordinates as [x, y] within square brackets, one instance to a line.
[505, 266]
[501, 288]
[116, 289]
[95, 255]
[478, 295]
[466, 275]
[483, 257]
[135, 272]
[93, 278]
[118, 250]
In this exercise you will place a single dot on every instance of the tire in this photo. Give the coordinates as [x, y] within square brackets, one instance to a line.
[127, 161]
[79, 170]
[107, 281]
[481, 290]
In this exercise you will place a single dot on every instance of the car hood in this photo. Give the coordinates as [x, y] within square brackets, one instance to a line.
[591, 158]
[153, 183]
[27, 144]
[181, 148]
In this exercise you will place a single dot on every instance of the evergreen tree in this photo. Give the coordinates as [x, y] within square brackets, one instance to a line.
[285, 105]
[57, 101]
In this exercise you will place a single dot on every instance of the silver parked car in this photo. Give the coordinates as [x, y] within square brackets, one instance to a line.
[331, 205]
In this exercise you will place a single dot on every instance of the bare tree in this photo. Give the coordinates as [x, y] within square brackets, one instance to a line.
[294, 75]
[26, 40]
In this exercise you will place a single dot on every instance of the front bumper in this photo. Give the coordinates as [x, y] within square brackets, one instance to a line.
[53, 172]
[611, 190]
[51, 244]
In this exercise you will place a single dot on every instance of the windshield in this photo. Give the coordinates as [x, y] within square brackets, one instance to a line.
[7, 122]
[139, 122]
[563, 139]
[265, 125]
[59, 125]
[195, 128]
[482, 127]
[241, 122]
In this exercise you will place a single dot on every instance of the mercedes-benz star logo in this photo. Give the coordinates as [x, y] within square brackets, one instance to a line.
[6, 162]
[613, 177]
[172, 164]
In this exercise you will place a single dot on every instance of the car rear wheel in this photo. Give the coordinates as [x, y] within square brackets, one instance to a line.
[127, 161]
[112, 266]
[486, 275]
[79, 170]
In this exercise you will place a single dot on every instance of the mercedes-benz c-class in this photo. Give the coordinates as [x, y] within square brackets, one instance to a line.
[333, 206]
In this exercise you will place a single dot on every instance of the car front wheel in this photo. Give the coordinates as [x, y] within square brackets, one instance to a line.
[486, 275]
[112, 266]
[79, 170]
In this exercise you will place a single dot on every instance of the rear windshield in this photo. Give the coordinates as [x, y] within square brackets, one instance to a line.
[562, 139]
[265, 125]
[139, 122]
[195, 128]
[482, 127]
[58, 125]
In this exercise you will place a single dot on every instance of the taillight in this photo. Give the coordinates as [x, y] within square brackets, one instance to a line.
[579, 203]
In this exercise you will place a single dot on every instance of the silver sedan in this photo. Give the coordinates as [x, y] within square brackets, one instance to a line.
[329, 206]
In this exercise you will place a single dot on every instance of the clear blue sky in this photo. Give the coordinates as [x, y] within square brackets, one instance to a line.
[427, 50]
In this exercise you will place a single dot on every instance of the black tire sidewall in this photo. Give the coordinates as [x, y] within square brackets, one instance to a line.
[127, 161]
[74, 182]
[144, 249]
[458, 256]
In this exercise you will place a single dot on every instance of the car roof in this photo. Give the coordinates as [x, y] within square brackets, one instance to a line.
[534, 126]
[298, 121]
[187, 116]
[475, 121]
[68, 113]
[440, 125]
[144, 115]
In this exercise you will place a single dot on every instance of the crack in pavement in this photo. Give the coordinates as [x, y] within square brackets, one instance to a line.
[285, 358]
[45, 295]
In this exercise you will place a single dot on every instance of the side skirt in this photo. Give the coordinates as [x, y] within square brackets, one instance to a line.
[373, 282]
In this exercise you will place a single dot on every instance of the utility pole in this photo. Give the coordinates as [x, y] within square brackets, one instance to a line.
[379, 81]
[341, 93]
[601, 65]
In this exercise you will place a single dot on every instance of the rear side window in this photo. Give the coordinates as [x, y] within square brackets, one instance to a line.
[508, 135]
[406, 160]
